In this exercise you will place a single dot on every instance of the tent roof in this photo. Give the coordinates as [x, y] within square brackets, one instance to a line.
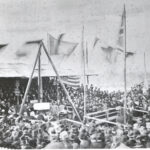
[17, 60]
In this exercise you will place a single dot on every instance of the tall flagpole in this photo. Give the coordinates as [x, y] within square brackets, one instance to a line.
[87, 59]
[145, 73]
[84, 77]
[125, 82]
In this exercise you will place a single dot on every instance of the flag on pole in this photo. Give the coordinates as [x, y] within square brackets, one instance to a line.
[120, 41]
[121, 33]
[113, 52]
[128, 54]
[71, 81]
[59, 47]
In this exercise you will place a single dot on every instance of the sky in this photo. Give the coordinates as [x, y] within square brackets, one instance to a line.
[37, 17]
[22, 20]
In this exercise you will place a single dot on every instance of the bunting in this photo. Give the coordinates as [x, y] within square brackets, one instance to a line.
[95, 41]
[71, 81]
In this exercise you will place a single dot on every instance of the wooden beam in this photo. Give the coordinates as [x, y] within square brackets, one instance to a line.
[101, 120]
[29, 81]
[93, 113]
[64, 88]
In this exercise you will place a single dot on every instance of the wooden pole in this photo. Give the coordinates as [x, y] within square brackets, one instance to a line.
[29, 82]
[87, 77]
[101, 120]
[40, 88]
[87, 61]
[84, 71]
[64, 88]
[145, 74]
[125, 82]
[57, 83]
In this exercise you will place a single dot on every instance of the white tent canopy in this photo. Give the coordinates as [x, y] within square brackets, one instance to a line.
[17, 59]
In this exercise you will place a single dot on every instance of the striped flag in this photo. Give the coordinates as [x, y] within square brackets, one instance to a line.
[120, 42]
[71, 81]
[64, 47]
[113, 52]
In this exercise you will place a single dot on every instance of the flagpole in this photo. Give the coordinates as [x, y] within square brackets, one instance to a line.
[125, 82]
[84, 77]
[145, 72]
[87, 76]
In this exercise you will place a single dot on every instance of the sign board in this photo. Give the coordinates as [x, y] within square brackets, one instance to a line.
[17, 92]
[17, 84]
[41, 106]
[148, 125]
[33, 101]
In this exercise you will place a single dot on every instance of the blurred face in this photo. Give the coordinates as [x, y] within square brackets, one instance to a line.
[139, 121]
[25, 114]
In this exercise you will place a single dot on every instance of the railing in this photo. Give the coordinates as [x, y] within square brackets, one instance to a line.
[101, 120]
[109, 114]
[72, 121]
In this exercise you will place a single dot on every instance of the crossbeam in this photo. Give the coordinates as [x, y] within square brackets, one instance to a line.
[93, 113]
[138, 110]
[73, 121]
[101, 120]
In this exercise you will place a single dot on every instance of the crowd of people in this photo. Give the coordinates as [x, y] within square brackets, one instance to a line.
[96, 99]
[39, 129]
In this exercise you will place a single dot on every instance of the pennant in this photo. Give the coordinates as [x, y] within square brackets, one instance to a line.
[2, 47]
[95, 41]
[121, 33]
[128, 54]
[108, 51]
[26, 49]
[59, 47]
[33, 42]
